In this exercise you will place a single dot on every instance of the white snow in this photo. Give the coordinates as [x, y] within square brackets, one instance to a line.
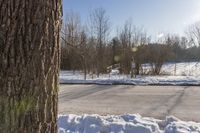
[174, 125]
[172, 74]
[179, 69]
[114, 72]
[123, 124]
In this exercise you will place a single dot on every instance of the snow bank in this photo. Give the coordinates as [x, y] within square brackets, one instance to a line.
[106, 124]
[173, 125]
[186, 74]
[123, 124]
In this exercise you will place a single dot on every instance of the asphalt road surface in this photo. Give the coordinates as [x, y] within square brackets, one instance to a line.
[152, 101]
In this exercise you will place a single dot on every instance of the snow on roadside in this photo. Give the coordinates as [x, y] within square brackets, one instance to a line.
[139, 80]
[123, 124]
[186, 74]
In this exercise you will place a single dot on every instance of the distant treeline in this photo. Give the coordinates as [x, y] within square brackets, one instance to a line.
[186, 55]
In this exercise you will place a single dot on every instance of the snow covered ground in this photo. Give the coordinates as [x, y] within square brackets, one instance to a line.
[179, 74]
[123, 124]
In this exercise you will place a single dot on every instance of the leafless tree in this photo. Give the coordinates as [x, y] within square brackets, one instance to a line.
[131, 38]
[140, 38]
[83, 53]
[193, 33]
[71, 34]
[157, 54]
[125, 37]
[99, 27]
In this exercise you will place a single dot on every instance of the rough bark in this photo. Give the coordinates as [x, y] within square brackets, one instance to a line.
[29, 65]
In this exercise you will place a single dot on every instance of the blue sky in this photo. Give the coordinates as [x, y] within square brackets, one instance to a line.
[156, 16]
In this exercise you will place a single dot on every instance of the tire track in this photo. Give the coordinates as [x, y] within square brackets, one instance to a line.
[177, 101]
[82, 93]
[170, 102]
[161, 104]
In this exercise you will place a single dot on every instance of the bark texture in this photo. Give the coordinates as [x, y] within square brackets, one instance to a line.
[29, 65]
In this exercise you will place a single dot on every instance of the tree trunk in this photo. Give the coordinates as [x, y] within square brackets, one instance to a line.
[29, 65]
[137, 68]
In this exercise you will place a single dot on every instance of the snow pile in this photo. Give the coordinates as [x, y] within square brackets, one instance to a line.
[174, 125]
[123, 124]
[106, 124]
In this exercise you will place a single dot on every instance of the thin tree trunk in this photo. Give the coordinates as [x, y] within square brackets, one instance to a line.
[29, 65]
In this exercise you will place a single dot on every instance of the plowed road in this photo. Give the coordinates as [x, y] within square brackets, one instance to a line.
[152, 101]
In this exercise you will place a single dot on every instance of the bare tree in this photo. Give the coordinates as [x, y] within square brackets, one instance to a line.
[140, 39]
[29, 66]
[126, 43]
[131, 38]
[75, 44]
[157, 54]
[71, 34]
[194, 33]
[99, 26]
[91, 56]
[83, 53]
